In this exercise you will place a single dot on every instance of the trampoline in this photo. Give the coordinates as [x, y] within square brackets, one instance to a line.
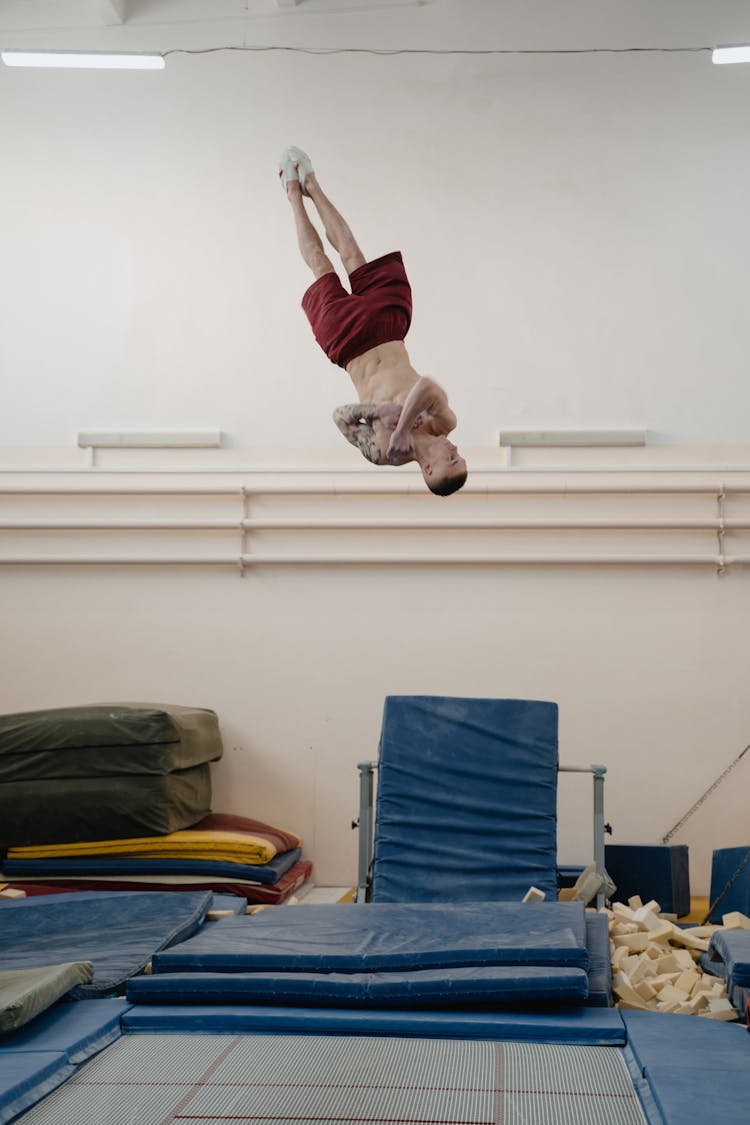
[271, 1066]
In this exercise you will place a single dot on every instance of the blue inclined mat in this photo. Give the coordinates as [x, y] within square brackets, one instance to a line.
[584, 1026]
[352, 937]
[266, 873]
[466, 801]
[464, 988]
[119, 931]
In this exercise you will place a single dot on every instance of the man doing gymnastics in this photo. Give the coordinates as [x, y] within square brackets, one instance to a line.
[401, 416]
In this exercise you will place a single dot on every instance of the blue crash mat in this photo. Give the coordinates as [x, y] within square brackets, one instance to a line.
[119, 932]
[477, 986]
[586, 1026]
[697, 1069]
[732, 949]
[266, 873]
[25, 1077]
[466, 800]
[77, 1030]
[377, 937]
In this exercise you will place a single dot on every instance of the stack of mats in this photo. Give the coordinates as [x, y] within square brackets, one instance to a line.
[118, 796]
[389, 955]
[107, 770]
[223, 853]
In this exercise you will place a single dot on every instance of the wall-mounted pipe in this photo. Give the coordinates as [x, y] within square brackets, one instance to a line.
[380, 487]
[719, 561]
[292, 524]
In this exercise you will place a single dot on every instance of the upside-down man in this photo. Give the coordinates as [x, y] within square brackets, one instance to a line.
[401, 416]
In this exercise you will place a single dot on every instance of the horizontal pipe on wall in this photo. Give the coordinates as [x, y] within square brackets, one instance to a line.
[292, 524]
[719, 561]
[305, 489]
[348, 470]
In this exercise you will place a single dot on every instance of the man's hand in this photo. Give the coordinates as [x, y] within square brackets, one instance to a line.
[399, 448]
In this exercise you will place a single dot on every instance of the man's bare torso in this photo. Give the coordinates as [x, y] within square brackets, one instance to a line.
[383, 374]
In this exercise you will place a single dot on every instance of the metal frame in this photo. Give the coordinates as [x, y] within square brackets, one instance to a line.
[366, 824]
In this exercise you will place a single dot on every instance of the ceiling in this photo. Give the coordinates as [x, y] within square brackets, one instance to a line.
[524, 24]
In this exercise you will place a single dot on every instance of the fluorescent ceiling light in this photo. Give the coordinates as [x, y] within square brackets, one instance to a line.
[88, 60]
[731, 54]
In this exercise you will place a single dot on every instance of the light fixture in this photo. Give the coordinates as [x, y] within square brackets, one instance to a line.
[151, 439]
[572, 437]
[730, 54]
[83, 60]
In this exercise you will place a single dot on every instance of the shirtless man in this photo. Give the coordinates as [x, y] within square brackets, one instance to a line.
[401, 416]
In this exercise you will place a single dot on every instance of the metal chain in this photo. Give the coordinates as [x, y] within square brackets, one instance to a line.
[706, 795]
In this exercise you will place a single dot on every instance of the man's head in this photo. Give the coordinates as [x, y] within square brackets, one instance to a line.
[443, 467]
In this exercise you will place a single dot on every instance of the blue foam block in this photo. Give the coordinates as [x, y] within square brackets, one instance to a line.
[466, 800]
[725, 862]
[586, 1026]
[25, 1077]
[427, 988]
[653, 871]
[117, 931]
[383, 936]
[77, 1030]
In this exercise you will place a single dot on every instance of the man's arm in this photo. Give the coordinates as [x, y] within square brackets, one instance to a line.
[368, 426]
[425, 397]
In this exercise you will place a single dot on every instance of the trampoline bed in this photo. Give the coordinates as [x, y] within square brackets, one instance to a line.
[213, 1065]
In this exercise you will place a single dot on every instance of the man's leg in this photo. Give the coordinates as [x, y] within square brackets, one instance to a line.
[336, 228]
[310, 245]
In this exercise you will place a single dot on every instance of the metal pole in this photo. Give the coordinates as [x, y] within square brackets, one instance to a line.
[599, 772]
[366, 770]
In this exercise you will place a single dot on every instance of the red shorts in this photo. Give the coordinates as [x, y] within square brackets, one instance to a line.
[377, 310]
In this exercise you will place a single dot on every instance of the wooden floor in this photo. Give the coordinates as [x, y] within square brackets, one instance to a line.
[698, 910]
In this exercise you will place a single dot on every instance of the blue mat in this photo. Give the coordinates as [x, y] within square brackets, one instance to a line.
[600, 964]
[25, 1077]
[119, 932]
[653, 871]
[725, 863]
[728, 957]
[732, 949]
[266, 873]
[697, 1069]
[386, 936]
[478, 986]
[587, 1026]
[466, 801]
[79, 1031]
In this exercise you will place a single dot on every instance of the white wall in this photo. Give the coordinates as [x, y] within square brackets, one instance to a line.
[574, 227]
[575, 230]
